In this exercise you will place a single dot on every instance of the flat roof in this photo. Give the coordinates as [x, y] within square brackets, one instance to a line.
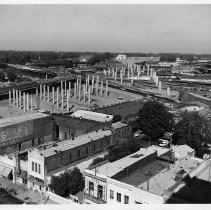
[158, 176]
[78, 141]
[110, 169]
[15, 120]
[90, 115]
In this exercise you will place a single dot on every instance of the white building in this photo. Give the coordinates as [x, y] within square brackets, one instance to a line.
[121, 57]
[145, 177]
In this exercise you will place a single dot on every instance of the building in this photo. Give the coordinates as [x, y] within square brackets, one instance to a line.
[121, 57]
[32, 166]
[149, 176]
[19, 133]
[69, 127]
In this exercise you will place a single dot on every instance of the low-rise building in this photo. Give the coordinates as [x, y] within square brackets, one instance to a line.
[149, 176]
[19, 133]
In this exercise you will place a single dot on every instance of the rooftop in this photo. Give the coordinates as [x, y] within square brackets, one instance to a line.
[78, 141]
[160, 176]
[118, 125]
[92, 115]
[110, 169]
[156, 174]
[15, 120]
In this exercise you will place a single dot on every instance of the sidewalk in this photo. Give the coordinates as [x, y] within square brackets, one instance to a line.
[22, 193]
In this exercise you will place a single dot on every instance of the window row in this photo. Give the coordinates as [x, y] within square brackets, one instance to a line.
[99, 190]
[36, 167]
[119, 197]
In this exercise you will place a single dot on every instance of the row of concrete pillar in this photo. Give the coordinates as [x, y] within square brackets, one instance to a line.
[21, 100]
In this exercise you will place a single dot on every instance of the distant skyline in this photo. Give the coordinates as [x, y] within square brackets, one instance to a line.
[113, 28]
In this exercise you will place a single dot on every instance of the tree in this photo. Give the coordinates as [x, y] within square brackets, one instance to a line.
[193, 130]
[71, 181]
[11, 75]
[2, 76]
[116, 118]
[155, 120]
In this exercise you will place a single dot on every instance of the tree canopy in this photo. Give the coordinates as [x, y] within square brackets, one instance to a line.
[193, 130]
[71, 181]
[155, 120]
[99, 57]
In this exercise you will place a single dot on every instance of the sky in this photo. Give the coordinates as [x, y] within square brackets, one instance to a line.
[106, 28]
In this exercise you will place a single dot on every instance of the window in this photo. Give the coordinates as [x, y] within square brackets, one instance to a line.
[35, 167]
[100, 191]
[108, 141]
[70, 156]
[101, 145]
[111, 194]
[126, 199]
[32, 166]
[94, 147]
[79, 153]
[39, 170]
[118, 197]
[87, 150]
[91, 188]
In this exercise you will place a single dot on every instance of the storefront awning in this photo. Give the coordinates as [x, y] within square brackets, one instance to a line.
[5, 171]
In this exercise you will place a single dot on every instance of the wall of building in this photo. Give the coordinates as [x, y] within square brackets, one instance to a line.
[22, 135]
[75, 126]
[67, 157]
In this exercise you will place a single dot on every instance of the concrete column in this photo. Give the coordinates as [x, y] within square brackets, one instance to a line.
[109, 71]
[16, 98]
[84, 93]
[168, 91]
[40, 91]
[121, 76]
[19, 99]
[57, 97]
[160, 85]
[147, 70]
[37, 92]
[68, 100]
[31, 102]
[48, 89]
[10, 99]
[69, 89]
[96, 88]
[131, 76]
[89, 95]
[24, 101]
[46, 76]
[77, 84]
[79, 92]
[106, 94]
[156, 80]
[75, 91]
[61, 85]
[65, 88]
[113, 73]
[44, 92]
[88, 81]
[62, 94]
[53, 100]
[27, 102]
[128, 73]
[93, 80]
[101, 89]
[13, 96]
